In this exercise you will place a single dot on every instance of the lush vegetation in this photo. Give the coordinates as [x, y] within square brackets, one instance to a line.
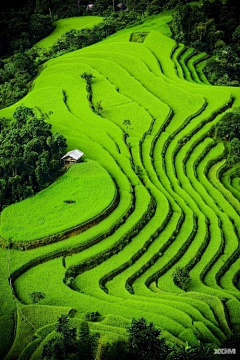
[29, 155]
[212, 27]
[18, 70]
[153, 232]
[228, 129]
[143, 342]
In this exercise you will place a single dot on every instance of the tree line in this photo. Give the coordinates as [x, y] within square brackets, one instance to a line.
[212, 27]
[29, 21]
[24, 23]
[29, 155]
[143, 342]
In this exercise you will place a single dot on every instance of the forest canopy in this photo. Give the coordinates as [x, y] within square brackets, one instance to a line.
[29, 155]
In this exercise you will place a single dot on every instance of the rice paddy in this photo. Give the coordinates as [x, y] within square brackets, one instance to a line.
[152, 164]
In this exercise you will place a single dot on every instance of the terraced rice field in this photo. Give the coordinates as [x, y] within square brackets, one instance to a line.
[177, 204]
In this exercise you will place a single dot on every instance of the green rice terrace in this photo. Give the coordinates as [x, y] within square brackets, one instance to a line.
[153, 194]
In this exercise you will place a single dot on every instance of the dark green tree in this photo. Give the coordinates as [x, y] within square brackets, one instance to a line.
[182, 278]
[68, 344]
[118, 350]
[144, 341]
[228, 127]
[36, 297]
[234, 151]
[88, 77]
[87, 343]
[64, 344]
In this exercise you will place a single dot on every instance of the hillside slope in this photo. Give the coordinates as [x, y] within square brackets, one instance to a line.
[149, 126]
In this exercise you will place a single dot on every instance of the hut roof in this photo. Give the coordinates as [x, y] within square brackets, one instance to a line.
[89, 6]
[121, 5]
[75, 154]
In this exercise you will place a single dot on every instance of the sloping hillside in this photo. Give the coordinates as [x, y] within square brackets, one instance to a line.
[149, 125]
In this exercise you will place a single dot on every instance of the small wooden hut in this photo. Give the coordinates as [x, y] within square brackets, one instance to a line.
[72, 157]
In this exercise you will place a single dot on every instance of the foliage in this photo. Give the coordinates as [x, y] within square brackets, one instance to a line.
[144, 341]
[36, 297]
[88, 78]
[195, 352]
[182, 278]
[228, 129]
[17, 71]
[68, 344]
[224, 67]
[29, 155]
[234, 151]
[77, 39]
[229, 125]
[88, 342]
[63, 345]
[15, 74]
[6, 336]
[117, 350]
[213, 27]
[92, 316]
[21, 27]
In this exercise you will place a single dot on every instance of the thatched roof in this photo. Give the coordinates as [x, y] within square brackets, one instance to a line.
[75, 154]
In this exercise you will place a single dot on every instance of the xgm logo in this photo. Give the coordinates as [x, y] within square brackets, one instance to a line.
[224, 351]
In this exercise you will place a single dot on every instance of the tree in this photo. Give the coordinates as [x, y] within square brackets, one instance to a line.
[144, 341]
[228, 127]
[64, 344]
[88, 77]
[87, 344]
[92, 316]
[182, 278]
[36, 297]
[117, 350]
[234, 151]
[68, 345]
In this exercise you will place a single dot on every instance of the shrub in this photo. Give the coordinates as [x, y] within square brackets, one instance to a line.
[92, 316]
[182, 278]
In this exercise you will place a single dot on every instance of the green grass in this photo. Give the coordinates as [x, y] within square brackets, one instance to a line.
[84, 183]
